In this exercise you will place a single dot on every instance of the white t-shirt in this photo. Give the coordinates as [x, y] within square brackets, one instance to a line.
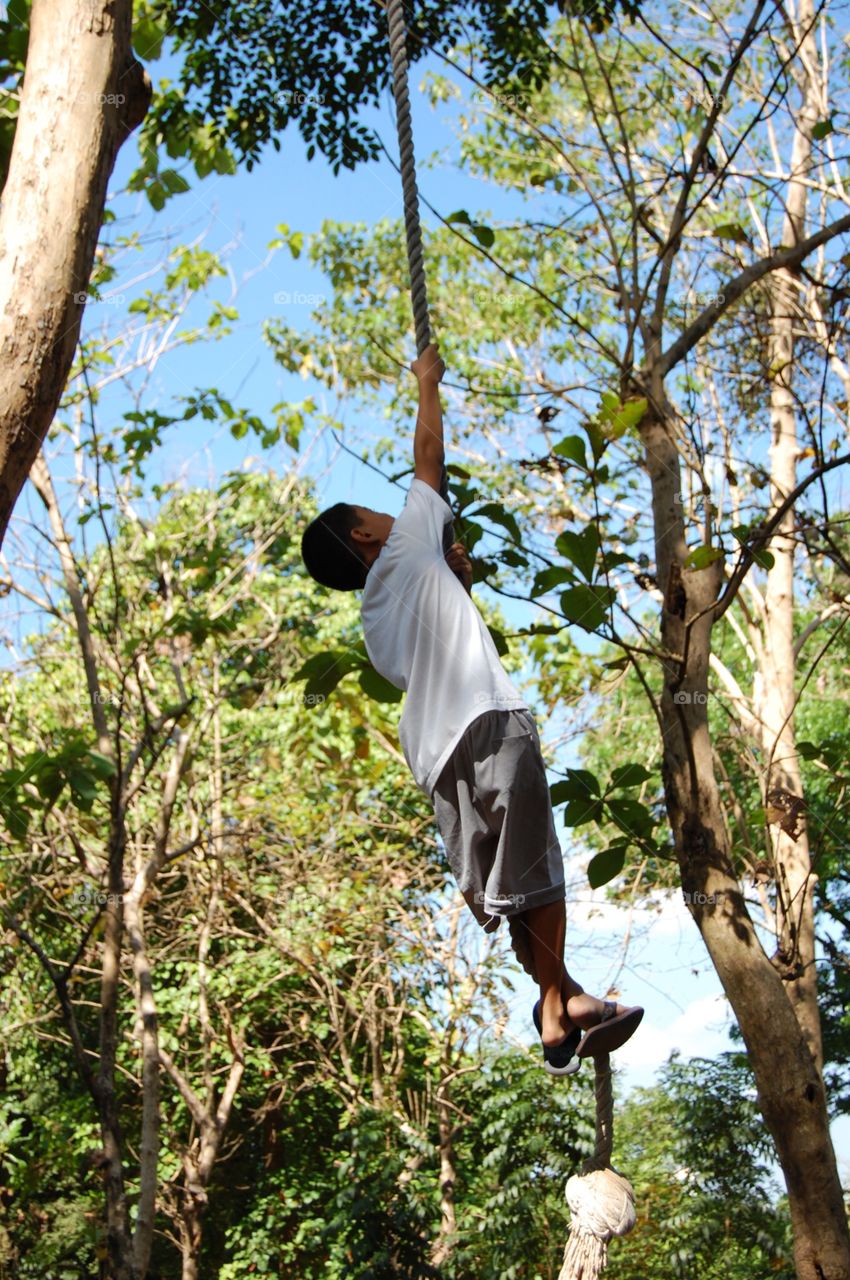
[424, 634]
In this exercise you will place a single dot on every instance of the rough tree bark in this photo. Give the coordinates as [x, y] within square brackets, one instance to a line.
[775, 687]
[773, 1005]
[83, 93]
[118, 1238]
[791, 1091]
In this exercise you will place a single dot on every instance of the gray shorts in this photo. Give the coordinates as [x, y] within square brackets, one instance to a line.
[495, 816]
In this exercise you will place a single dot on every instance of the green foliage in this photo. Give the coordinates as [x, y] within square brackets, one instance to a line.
[68, 770]
[527, 1133]
[322, 673]
[52, 1196]
[698, 1156]
[249, 70]
[586, 802]
[14, 39]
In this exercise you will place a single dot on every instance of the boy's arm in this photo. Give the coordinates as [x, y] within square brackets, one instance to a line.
[459, 563]
[428, 437]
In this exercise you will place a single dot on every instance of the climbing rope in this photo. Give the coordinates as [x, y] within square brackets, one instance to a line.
[602, 1203]
[410, 193]
[601, 1200]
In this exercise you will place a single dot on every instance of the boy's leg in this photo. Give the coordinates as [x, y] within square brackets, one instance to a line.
[564, 1004]
[547, 927]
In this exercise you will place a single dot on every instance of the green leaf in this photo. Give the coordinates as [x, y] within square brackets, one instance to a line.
[15, 815]
[764, 559]
[499, 641]
[822, 129]
[83, 788]
[630, 775]
[101, 765]
[148, 36]
[580, 549]
[631, 816]
[377, 688]
[606, 865]
[485, 236]
[732, 231]
[613, 559]
[472, 532]
[324, 671]
[460, 215]
[173, 181]
[572, 448]
[499, 515]
[621, 417]
[554, 576]
[587, 606]
[598, 439]
[702, 557]
[50, 783]
[481, 568]
[579, 784]
[578, 812]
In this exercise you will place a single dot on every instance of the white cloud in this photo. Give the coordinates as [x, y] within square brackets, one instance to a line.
[700, 1031]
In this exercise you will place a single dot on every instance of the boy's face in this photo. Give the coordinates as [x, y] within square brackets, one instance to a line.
[372, 531]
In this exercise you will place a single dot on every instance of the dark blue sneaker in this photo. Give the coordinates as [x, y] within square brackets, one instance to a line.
[559, 1060]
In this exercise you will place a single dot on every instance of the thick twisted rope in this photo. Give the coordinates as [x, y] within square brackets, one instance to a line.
[401, 92]
[604, 1091]
[410, 195]
[601, 1200]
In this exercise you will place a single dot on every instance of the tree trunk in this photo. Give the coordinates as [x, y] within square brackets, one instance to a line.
[776, 695]
[791, 1092]
[448, 1178]
[82, 95]
[118, 1240]
[119, 1243]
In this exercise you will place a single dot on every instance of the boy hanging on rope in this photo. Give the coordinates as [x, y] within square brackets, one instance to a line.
[466, 731]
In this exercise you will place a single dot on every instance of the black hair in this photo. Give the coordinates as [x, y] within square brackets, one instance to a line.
[329, 553]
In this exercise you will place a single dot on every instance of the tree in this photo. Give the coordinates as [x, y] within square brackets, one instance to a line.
[74, 122]
[698, 1157]
[74, 92]
[643, 160]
